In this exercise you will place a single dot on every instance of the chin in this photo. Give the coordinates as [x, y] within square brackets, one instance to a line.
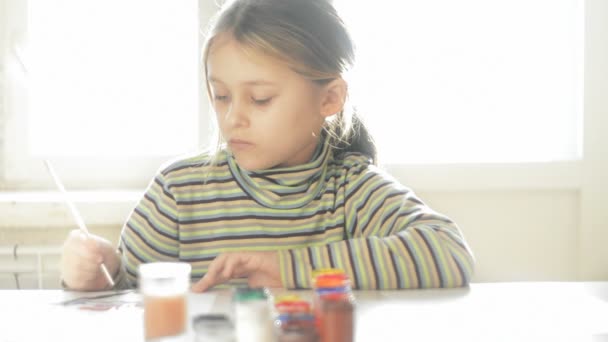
[252, 164]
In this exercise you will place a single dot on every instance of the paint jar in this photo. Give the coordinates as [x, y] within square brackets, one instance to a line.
[296, 327]
[334, 306]
[294, 321]
[252, 315]
[213, 327]
[292, 305]
[164, 287]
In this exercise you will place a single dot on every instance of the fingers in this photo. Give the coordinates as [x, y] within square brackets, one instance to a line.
[233, 264]
[261, 269]
[81, 258]
[210, 277]
[225, 267]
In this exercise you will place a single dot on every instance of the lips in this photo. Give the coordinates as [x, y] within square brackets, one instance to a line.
[239, 144]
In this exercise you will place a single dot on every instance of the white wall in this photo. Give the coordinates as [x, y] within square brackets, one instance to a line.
[517, 235]
[545, 223]
[3, 41]
[594, 190]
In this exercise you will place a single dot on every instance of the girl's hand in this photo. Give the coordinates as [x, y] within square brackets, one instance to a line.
[260, 269]
[81, 258]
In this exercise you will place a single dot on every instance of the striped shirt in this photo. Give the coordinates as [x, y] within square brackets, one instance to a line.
[333, 211]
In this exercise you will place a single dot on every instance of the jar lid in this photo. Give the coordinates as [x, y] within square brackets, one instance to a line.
[293, 306]
[339, 291]
[326, 271]
[243, 294]
[302, 318]
[287, 298]
[331, 280]
[336, 296]
[164, 270]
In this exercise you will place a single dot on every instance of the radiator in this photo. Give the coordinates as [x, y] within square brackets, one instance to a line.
[29, 266]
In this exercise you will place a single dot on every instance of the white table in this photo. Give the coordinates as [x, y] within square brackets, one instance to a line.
[482, 312]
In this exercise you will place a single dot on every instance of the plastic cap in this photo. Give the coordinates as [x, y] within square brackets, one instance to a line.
[246, 294]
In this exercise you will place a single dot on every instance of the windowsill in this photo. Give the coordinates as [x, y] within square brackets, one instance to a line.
[489, 177]
[97, 196]
[47, 209]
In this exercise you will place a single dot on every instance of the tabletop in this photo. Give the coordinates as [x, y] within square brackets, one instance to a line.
[525, 311]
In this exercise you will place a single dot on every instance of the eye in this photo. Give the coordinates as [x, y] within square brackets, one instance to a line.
[261, 102]
[220, 98]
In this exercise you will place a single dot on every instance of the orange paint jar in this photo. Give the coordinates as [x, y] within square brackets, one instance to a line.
[334, 306]
[164, 316]
[164, 287]
[337, 322]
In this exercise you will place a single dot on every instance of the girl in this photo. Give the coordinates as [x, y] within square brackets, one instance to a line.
[294, 186]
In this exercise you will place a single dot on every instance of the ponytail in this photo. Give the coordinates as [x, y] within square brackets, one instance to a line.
[349, 135]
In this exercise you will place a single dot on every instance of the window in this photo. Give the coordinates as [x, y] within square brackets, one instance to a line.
[437, 81]
[471, 81]
[112, 89]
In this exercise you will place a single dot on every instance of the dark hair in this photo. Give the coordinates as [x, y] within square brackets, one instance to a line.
[311, 38]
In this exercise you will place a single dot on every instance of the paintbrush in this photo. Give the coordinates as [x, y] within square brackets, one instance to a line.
[75, 214]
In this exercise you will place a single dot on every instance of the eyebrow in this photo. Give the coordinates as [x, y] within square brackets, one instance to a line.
[251, 82]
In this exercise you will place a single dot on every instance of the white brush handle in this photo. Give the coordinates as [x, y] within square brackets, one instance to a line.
[75, 214]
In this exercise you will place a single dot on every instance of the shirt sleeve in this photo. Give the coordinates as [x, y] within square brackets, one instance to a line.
[150, 233]
[392, 241]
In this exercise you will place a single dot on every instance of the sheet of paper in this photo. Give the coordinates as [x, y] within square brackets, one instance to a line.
[201, 303]
[115, 318]
[121, 300]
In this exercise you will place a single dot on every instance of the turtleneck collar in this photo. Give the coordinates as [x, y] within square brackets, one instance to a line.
[286, 187]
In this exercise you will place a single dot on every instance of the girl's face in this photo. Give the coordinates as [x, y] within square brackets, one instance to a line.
[269, 115]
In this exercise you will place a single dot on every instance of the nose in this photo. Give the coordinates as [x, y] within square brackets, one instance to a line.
[237, 114]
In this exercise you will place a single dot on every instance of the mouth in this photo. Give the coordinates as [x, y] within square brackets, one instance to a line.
[238, 144]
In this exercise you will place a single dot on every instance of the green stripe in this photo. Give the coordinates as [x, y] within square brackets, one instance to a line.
[195, 251]
[408, 273]
[152, 215]
[142, 251]
[161, 201]
[228, 209]
[442, 262]
[374, 204]
[287, 225]
[152, 238]
[381, 264]
[311, 227]
[211, 192]
[362, 271]
[300, 274]
[422, 263]
[465, 259]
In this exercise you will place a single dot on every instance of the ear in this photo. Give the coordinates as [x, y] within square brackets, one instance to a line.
[333, 97]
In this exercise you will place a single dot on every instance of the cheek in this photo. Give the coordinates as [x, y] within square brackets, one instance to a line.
[220, 110]
[287, 121]
[305, 109]
[219, 119]
[221, 123]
